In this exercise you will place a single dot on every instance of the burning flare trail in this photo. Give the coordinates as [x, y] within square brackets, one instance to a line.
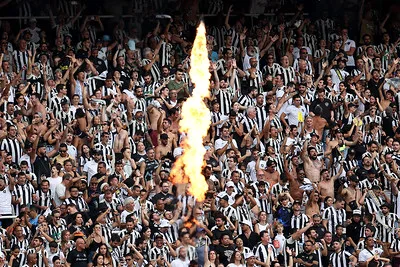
[195, 122]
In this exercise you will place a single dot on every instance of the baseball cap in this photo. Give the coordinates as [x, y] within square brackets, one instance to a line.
[106, 38]
[354, 178]
[357, 212]
[96, 152]
[314, 134]
[246, 222]
[164, 223]
[296, 202]
[351, 105]
[230, 184]
[248, 255]
[64, 101]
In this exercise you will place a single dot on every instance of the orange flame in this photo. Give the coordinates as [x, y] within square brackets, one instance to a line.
[195, 122]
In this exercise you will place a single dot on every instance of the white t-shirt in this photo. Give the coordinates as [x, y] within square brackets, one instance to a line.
[53, 184]
[292, 112]
[219, 143]
[5, 203]
[90, 168]
[59, 192]
[349, 44]
[365, 254]
[180, 263]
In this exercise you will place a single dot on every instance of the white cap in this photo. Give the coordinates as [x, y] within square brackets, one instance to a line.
[164, 223]
[248, 255]
[247, 222]
[177, 152]
[229, 184]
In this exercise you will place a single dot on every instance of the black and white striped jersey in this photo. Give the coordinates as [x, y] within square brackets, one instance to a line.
[21, 62]
[229, 212]
[235, 36]
[165, 54]
[257, 82]
[216, 117]
[288, 73]
[324, 28]
[371, 206]
[318, 54]
[341, 259]
[246, 101]
[386, 58]
[12, 146]
[386, 231]
[40, 256]
[65, 118]
[263, 199]
[172, 233]
[261, 116]
[80, 203]
[107, 150]
[395, 245]
[55, 104]
[219, 35]
[24, 192]
[37, 85]
[224, 98]
[132, 236]
[334, 217]
[311, 41]
[261, 252]
[156, 252]
[155, 70]
[248, 124]
[22, 244]
[44, 199]
[356, 72]
[270, 70]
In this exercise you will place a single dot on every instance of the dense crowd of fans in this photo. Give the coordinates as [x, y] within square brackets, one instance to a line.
[303, 149]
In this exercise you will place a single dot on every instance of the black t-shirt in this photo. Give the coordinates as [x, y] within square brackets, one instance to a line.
[218, 233]
[251, 241]
[225, 254]
[77, 259]
[374, 86]
[353, 230]
[307, 258]
[41, 166]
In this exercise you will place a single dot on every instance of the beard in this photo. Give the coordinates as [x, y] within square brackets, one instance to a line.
[313, 157]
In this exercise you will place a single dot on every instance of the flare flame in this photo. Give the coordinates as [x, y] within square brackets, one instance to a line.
[195, 122]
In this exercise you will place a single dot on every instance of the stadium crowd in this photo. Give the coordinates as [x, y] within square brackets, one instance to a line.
[302, 154]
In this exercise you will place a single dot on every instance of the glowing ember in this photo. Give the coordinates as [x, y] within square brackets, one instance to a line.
[195, 122]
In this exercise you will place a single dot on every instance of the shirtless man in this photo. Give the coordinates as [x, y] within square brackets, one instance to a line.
[154, 111]
[352, 194]
[326, 185]
[164, 126]
[34, 106]
[294, 183]
[271, 174]
[338, 142]
[164, 147]
[37, 126]
[319, 122]
[175, 118]
[121, 139]
[312, 165]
